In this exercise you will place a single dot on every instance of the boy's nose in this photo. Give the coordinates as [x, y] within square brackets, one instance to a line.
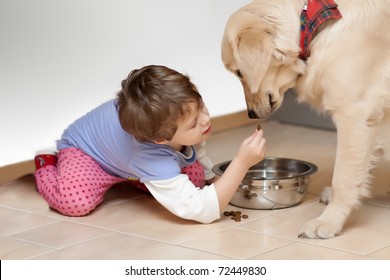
[205, 120]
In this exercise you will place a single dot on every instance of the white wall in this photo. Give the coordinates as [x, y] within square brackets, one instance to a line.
[61, 58]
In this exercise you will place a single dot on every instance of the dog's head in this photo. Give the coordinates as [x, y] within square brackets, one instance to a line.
[264, 60]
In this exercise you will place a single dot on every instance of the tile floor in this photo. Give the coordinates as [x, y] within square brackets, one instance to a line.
[132, 225]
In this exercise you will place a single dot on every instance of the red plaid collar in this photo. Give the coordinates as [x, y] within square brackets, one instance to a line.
[315, 13]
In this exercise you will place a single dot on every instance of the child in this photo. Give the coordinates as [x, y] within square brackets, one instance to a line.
[153, 134]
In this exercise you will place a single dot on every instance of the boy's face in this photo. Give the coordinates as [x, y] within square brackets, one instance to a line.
[193, 129]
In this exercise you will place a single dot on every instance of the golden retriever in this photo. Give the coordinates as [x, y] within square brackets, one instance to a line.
[347, 75]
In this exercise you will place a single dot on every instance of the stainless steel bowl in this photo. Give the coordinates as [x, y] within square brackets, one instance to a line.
[273, 183]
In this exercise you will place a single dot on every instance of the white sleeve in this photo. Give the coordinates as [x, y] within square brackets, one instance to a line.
[204, 160]
[182, 198]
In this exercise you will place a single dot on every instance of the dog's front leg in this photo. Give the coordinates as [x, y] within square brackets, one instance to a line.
[355, 143]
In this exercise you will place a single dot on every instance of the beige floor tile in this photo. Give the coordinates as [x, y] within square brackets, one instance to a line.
[125, 247]
[302, 251]
[287, 223]
[11, 249]
[22, 195]
[147, 218]
[13, 221]
[60, 234]
[122, 192]
[382, 254]
[367, 221]
[236, 243]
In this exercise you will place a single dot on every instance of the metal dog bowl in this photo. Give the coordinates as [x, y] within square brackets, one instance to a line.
[273, 183]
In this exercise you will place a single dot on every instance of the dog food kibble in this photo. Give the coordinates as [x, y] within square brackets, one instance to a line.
[236, 215]
[258, 127]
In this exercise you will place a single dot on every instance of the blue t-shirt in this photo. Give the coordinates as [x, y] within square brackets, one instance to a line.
[100, 135]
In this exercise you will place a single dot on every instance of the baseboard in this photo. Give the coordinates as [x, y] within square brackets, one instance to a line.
[14, 171]
[221, 123]
[231, 121]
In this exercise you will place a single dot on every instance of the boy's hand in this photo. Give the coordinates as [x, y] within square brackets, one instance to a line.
[252, 149]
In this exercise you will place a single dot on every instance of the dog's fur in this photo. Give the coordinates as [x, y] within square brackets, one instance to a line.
[347, 76]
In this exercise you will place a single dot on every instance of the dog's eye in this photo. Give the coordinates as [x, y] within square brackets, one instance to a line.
[238, 73]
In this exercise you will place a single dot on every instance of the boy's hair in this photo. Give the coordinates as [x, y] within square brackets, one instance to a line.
[153, 100]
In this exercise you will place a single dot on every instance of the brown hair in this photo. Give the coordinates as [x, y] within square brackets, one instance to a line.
[153, 100]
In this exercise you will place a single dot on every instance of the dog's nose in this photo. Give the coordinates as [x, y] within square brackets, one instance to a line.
[252, 114]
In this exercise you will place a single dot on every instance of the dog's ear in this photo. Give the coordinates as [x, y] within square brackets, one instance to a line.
[253, 53]
[285, 52]
[285, 56]
[286, 49]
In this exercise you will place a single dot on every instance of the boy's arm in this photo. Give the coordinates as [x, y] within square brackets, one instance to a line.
[182, 198]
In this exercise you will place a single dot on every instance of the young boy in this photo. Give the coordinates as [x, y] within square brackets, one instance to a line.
[152, 133]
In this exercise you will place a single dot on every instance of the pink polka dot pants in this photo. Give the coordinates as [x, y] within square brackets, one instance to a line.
[77, 184]
[195, 173]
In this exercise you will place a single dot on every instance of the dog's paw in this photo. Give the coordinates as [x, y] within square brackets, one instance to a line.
[317, 229]
[326, 195]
